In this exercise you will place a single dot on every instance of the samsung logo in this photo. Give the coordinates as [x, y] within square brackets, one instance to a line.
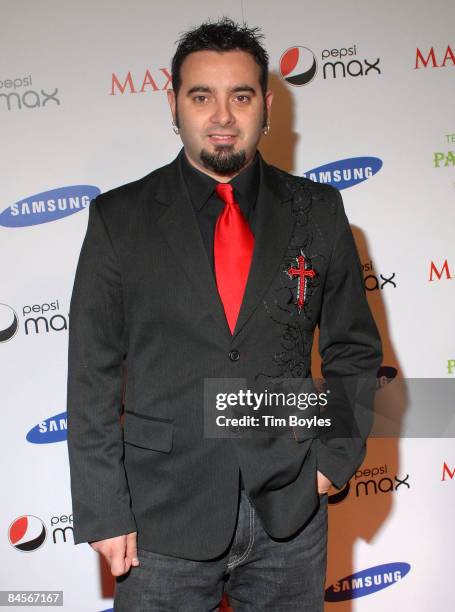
[367, 581]
[51, 430]
[48, 206]
[345, 172]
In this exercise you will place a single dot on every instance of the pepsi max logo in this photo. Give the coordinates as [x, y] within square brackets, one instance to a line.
[9, 323]
[345, 172]
[298, 66]
[27, 533]
[367, 581]
[51, 430]
[48, 206]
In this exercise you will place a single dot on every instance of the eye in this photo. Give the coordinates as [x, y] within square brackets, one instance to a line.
[200, 99]
[242, 98]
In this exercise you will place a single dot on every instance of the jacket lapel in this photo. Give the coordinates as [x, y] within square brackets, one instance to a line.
[273, 225]
[179, 227]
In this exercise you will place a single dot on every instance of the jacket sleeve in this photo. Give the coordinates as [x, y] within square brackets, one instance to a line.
[97, 345]
[351, 354]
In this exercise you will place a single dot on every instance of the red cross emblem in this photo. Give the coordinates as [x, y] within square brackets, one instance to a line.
[303, 273]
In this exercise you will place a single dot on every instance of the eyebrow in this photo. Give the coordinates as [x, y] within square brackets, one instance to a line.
[205, 89]
[247, 88]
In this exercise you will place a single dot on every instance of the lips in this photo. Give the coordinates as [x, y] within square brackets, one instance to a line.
[222, 138]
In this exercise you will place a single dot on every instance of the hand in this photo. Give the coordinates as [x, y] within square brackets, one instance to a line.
[120, 552]
[324, 483]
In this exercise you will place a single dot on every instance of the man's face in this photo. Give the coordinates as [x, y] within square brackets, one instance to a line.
[220, 110]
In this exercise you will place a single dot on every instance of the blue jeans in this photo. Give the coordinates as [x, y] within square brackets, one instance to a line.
[258, 573]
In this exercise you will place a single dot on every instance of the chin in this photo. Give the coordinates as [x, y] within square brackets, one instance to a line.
[224, 148]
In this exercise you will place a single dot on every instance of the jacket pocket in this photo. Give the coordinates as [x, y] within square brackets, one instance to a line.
[147, 432]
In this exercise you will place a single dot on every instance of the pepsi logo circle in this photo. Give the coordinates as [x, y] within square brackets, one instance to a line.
[9, 323]
[298, 66]
[27, 533]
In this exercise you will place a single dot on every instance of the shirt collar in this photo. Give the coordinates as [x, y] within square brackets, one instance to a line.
[201, 186]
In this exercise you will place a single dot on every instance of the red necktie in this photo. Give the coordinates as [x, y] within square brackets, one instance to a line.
[233, 251]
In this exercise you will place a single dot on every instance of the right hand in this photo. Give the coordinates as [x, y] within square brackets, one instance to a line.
[120, 552]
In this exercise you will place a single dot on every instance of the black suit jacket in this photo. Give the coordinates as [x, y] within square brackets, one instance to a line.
[144, 291]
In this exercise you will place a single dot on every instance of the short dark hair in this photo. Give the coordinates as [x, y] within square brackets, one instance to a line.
[222, 35]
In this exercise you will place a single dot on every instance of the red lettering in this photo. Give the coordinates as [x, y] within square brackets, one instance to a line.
[116, 83]
[444, 269]
[168, 76]
[119, 86]
[445, 469]
[148, 81]
[431, 55]
[449, 55]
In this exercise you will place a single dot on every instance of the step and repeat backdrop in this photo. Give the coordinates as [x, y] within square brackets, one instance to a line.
[364, 100]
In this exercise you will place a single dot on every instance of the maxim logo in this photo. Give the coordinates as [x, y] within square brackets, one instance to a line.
[447, 473]
[438, 273]
[367, 581]
[434, 59]
[126, 83]
[48, 206]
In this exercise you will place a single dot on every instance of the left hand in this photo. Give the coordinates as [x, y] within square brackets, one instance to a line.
[324, 483]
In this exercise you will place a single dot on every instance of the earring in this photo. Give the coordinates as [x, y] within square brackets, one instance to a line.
[175, 128]
[267, 128]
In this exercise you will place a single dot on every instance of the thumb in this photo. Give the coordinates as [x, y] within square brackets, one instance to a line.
[119, 564]
[131, 548]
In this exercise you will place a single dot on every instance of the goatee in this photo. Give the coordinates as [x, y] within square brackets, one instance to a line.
[224, 160]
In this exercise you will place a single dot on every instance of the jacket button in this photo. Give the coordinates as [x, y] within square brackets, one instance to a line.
[234, 355]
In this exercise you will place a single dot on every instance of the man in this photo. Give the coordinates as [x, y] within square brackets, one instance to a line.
[213, 269]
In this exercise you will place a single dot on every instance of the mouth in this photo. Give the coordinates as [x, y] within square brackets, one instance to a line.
[220, 139]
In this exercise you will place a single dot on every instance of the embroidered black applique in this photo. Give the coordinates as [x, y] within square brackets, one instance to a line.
[293, 360]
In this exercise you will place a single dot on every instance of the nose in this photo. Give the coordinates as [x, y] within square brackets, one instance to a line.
[222, 113]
